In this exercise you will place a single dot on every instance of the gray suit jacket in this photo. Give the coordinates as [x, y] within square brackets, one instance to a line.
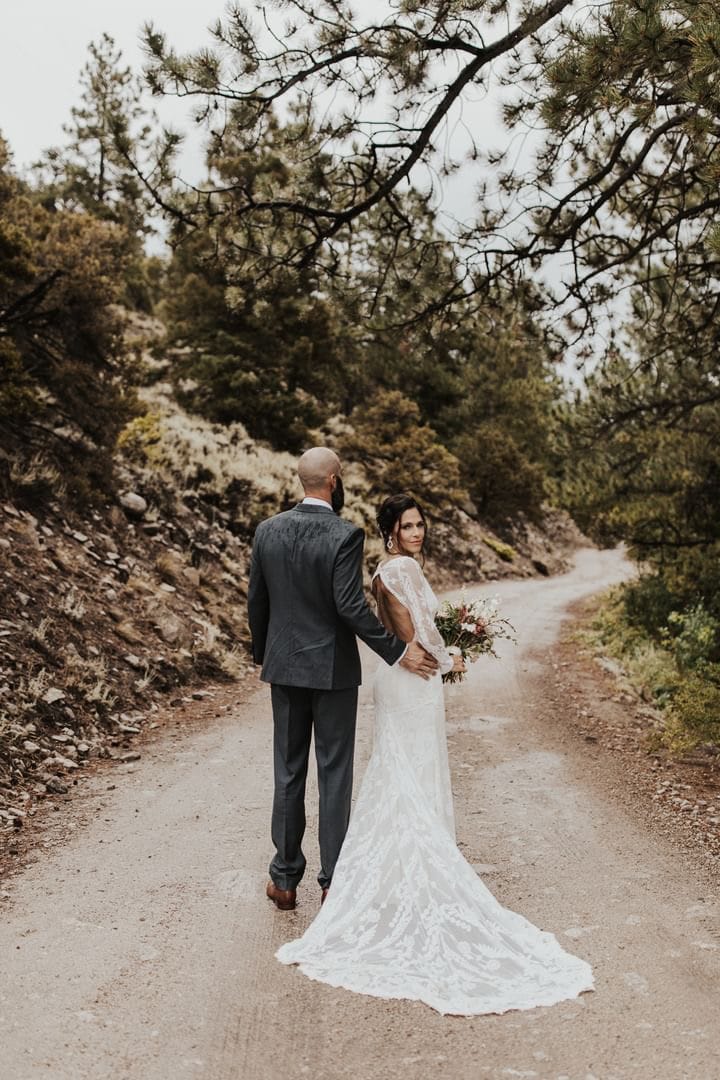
[306, 603]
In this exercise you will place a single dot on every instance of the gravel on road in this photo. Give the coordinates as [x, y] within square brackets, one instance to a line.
[141, 947]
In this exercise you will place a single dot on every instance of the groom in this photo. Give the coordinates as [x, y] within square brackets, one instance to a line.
[306, 606]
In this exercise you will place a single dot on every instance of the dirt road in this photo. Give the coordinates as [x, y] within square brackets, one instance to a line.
[142, 948]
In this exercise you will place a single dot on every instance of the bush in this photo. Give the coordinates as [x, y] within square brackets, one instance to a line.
[694, 635]
[673, 674]
[500, 479]
[401, 454]
[502, 550]
[649, 603]
[694, 713]
[65, 382]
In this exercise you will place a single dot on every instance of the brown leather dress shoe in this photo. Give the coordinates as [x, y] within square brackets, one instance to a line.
[284, 899]
[323, 895]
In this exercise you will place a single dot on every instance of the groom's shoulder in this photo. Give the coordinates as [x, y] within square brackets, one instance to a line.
[276, 521]
[296, 519]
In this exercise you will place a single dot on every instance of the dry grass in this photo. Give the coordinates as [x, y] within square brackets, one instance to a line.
[90, 678]
[170, 566]
[36, 479]
[40, 634]
[233, 661]
[31, 689]
[147, 680]
[186, 453]
[72, 605]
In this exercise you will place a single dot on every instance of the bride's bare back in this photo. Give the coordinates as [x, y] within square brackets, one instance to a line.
[394, 616]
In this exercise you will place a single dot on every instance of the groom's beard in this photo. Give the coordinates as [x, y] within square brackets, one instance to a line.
[337, 496]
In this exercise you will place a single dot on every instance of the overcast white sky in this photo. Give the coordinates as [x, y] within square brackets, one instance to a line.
[43, 47]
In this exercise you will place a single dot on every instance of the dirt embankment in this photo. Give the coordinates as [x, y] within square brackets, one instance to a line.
[105, 623]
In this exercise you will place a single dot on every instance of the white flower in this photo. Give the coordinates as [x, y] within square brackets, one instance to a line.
[485, 609]
[469, 628]
[453, 650]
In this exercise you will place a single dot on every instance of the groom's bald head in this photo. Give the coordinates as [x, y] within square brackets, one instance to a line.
[315, 468]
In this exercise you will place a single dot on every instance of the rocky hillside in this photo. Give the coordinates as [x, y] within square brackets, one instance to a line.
[109, 617]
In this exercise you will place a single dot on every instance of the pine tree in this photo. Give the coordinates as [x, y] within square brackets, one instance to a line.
[99, 170]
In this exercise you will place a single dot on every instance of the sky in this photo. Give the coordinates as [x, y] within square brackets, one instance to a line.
[44, 46]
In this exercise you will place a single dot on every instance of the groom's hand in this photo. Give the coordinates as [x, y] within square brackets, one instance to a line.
[418, 661]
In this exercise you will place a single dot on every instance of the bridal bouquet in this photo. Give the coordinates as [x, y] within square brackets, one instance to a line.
[470, 629]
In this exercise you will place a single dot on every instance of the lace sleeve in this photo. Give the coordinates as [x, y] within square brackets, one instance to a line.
[405, 580]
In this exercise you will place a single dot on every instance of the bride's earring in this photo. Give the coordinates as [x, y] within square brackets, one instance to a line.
[390, 544]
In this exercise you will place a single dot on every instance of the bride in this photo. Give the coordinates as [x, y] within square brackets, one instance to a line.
[407, 916]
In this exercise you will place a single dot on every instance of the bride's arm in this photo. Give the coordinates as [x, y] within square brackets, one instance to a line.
[404, 580]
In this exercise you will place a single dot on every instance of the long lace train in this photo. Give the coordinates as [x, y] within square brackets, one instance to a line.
[407, 916]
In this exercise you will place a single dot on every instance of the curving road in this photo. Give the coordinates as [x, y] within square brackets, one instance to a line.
[140, 948]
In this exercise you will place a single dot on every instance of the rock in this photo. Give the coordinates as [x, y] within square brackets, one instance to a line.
[64, 762]
[52, 695]
[129, 755]
[171, 629]
[133, 504]
[56, 786]
[128, 729]
[80, 537]
[167, 588]
[23, 598]
[30, 747]
[134, 661]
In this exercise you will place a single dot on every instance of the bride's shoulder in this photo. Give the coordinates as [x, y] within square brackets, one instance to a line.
[399, 564]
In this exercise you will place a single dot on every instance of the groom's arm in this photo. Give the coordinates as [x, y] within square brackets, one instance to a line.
[352, 607]
[258, 604]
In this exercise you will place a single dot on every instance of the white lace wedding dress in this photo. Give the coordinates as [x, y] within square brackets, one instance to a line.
[407, 916]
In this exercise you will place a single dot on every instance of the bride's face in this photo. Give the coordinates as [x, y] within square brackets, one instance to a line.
[409, 533]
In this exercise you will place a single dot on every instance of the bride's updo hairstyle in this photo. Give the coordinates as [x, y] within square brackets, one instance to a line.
[392, 510]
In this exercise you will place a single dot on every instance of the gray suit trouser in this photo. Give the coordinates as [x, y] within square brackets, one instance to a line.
[299, 712]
